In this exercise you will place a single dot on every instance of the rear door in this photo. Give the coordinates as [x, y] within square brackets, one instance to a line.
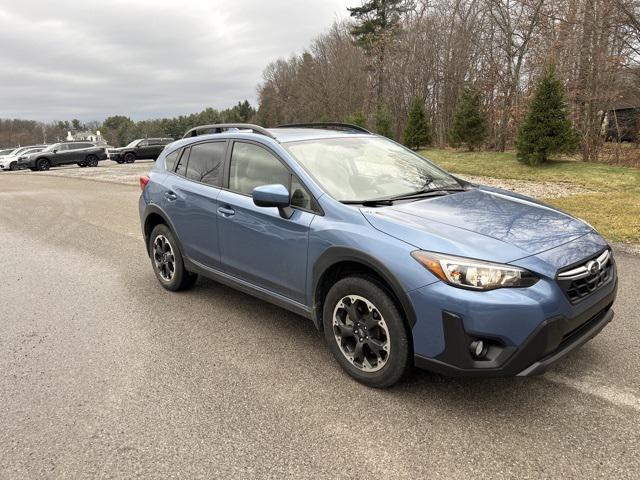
[190, 200]
[155, 148]
[257, 244]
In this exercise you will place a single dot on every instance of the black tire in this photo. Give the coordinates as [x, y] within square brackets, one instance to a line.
[388, 328]
[91, 161]
[13, 166]
[179, 278]
[43, 164]
[129, 157]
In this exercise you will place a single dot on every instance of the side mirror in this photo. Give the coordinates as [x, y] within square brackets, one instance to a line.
[273, 196]
[55, 151]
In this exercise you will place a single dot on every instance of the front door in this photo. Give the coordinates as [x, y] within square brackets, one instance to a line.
[256, 243]
[61, 155]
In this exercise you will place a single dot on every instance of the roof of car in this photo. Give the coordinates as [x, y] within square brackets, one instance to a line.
[293, 134]
[283, 133]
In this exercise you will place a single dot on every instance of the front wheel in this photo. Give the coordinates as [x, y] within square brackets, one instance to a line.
[366, 332]
[129, 157]
[43, 165]
[167, 261]
[13, 166]
[91, 161]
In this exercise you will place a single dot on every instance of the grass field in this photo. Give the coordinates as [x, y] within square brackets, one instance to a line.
[613, 208]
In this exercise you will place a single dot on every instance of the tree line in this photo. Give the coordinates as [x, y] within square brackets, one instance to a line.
[118, 130]
[394, 57]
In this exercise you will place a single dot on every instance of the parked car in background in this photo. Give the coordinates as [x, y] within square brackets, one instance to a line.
[18, 151]
[398, 262]
[12, 162]
[83, 154]
[140, 149]
[6, 151]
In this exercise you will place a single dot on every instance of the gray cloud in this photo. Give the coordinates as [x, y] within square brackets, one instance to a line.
[89, 59]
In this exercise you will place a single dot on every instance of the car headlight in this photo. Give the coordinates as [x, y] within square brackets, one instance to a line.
[474, 274]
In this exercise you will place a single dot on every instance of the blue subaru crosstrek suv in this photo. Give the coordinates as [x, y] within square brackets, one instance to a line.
[398, 262]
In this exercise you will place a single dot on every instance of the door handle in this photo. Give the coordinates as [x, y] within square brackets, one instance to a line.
[226, 211]
[170, 196]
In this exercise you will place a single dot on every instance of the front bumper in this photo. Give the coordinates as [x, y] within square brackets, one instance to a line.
[529, 350]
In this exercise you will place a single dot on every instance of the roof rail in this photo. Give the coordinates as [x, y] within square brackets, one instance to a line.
[345, 127]
[221, 127]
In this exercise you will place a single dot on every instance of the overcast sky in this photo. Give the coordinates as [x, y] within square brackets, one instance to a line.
[89, 59]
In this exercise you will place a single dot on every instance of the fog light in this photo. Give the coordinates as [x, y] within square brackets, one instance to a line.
[478, 349]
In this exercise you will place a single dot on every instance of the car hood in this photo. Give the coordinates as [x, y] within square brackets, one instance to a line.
[480, 223]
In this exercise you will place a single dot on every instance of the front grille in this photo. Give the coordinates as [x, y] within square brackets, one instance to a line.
[578, 282]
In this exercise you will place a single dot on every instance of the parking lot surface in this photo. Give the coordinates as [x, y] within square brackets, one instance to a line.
[103, 374]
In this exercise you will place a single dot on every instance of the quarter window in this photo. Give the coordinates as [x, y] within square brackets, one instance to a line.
[182, 164]
[206, 162]
[253, 166]
[299, 195]
[170, 160]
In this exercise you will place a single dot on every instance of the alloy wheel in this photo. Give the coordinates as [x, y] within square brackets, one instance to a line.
[164, 258]
[361, 333]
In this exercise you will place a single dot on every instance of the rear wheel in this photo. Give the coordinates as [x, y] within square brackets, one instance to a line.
[129, 157]
[167, 261]
[13, 166]
[365, 331]
[43, 165]
[91, 161]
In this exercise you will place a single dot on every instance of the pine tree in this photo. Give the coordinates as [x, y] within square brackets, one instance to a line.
[382, 119]
[469, 123]
[547, 128]
[357, 118]
[417, 133]
[376, 24]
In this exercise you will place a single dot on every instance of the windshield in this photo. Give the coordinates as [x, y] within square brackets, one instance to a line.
[133, 144]
[6, 152]
[359, 169]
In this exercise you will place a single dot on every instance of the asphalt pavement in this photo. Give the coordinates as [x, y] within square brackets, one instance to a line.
[103, 374]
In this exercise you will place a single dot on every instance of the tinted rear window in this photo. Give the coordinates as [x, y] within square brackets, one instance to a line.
[206, 161]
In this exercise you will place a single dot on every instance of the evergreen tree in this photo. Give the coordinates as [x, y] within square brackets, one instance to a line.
[377, 23]
[469, 123]
[357, 118]
[546, 129]
[383, 121]
[417, 133]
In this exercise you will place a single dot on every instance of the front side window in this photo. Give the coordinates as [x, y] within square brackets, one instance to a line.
[353, 169]
[206, 162]
[253, 166]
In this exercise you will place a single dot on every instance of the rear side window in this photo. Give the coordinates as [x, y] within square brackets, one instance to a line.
[171, 159]
[206, 162]
[252, 166]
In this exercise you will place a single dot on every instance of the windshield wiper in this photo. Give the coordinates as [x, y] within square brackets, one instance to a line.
[428, 192]
[379, 202]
